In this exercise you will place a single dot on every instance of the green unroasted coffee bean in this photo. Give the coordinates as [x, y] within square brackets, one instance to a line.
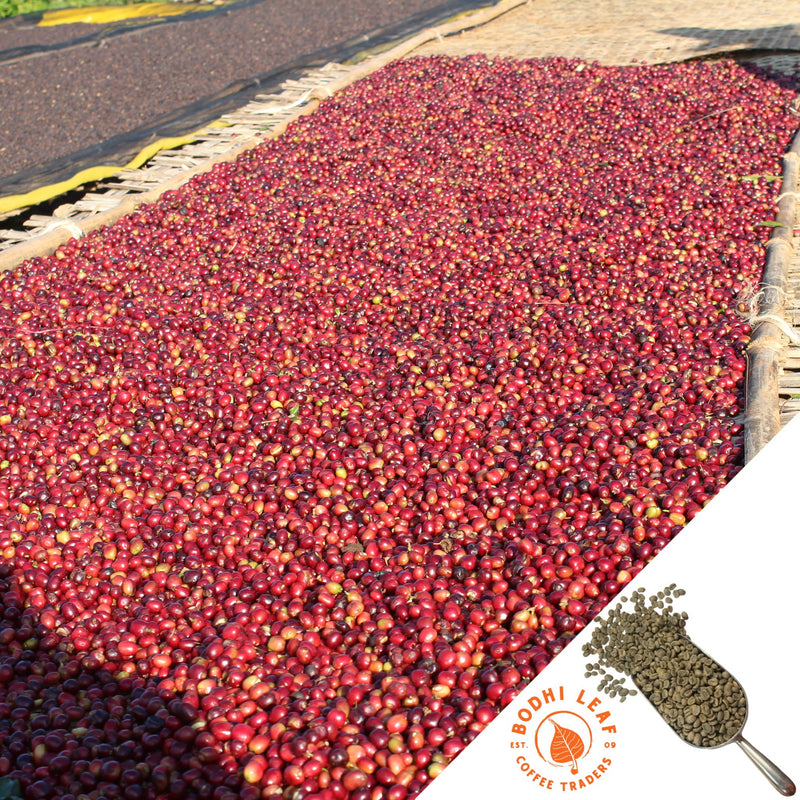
[699, 699]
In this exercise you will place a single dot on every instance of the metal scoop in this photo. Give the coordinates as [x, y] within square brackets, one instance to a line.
[777, 777]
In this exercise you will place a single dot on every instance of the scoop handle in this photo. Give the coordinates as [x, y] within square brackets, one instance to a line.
[777, 777]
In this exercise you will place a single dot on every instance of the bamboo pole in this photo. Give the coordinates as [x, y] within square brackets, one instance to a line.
[762, 412]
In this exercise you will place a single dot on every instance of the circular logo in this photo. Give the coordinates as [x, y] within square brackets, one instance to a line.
[563, 738]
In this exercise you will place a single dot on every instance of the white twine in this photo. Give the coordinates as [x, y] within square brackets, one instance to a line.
[754, 318]
[773, 241]
[782, 295]
[771, 343]
[779, 323]
[753, 299]
[72, 227]
[780, 197]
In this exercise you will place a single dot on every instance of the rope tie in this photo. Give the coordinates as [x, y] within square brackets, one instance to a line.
[773, 241]
[779, 323]
[773, 294]
[765, 343]
[768, 295]
[72, 227]
[795, 195]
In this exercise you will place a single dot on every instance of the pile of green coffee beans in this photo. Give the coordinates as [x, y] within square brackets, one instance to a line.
[702, 702]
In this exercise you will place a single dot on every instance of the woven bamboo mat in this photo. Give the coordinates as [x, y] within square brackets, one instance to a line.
[624, 32]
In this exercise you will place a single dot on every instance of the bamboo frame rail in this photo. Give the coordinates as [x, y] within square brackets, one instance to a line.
[762, 411]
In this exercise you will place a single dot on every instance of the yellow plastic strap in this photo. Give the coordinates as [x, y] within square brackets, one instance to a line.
[93, 174]
[101, 14]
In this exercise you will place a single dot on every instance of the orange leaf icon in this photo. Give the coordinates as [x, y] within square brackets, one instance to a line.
[566, 747]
